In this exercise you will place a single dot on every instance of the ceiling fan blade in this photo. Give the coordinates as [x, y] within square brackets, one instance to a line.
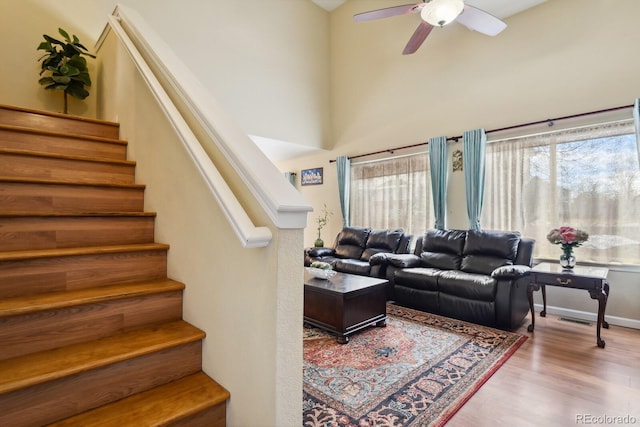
[481, 21]
[417, 38]
[388, 12]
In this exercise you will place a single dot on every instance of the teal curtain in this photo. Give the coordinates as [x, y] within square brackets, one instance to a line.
[344, 183]
[636, 119]
[473, 162]
[438, 170]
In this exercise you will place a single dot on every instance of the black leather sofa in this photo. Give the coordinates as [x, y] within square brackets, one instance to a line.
[354, 246]
[476, 276]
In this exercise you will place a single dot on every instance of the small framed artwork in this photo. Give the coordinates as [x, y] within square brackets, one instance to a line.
[311, 176]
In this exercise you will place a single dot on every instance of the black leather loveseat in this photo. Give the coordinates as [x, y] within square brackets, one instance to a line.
[476, 276]
[354, 246]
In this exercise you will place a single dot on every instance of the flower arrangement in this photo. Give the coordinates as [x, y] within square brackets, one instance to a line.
[568, 238]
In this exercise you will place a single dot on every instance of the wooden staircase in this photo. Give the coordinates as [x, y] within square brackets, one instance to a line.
[91, 329]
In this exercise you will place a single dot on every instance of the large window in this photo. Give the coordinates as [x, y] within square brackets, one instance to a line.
[587, 178]
[392, 193]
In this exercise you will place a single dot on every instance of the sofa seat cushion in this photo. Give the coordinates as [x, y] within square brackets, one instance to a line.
[352, 266]
[418, 278]
[483, 264]
[467, 285]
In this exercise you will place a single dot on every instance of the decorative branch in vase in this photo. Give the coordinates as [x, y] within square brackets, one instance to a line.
[568, 238]
[322, 220]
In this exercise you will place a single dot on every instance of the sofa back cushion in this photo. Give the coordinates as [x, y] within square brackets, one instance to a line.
[443, 249]
[351, 242]
[486, 250]
[381, 241]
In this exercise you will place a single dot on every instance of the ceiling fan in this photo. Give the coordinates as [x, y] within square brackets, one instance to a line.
[438, 13]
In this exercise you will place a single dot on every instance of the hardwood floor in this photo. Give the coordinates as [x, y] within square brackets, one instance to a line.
[559, 377]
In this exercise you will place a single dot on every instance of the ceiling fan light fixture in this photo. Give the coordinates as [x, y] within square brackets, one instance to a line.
[441, 12]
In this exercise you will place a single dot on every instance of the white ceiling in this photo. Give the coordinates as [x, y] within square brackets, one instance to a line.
[500, 8]
[280, 150]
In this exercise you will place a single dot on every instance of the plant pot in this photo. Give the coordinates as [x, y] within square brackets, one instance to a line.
[319, 243]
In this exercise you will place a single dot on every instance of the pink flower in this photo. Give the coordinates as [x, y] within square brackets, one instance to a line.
[567, 236]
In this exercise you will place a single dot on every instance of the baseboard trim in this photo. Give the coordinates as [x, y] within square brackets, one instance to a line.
[593, 317]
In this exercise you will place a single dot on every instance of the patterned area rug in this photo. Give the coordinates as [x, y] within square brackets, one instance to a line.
[417, 371]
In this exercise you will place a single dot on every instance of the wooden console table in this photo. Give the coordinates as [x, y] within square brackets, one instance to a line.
[591, 279]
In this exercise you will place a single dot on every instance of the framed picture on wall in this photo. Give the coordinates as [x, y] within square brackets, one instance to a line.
[311, 176]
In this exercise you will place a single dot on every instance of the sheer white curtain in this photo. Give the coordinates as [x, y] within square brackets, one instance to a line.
[392, 193]
[587, 178]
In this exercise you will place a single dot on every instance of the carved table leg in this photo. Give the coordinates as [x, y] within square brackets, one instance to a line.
[605, 324]
[601, 296]
[543, 313]
[381, 323]
[343, 339]
[532, 287]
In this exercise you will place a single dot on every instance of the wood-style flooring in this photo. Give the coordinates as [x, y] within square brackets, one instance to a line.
[559, 377]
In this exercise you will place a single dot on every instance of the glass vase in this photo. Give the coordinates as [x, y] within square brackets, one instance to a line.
[567, 260]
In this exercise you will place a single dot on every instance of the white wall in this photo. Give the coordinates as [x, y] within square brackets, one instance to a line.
[559, 58]
[22, 24]
[248, 301]
[266, 62]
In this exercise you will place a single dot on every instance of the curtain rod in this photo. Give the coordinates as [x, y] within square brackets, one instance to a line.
[456, 138]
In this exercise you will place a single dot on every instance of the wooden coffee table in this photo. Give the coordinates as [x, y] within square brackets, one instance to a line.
[345, 303]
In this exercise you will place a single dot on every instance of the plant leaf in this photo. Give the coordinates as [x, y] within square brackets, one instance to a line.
[52, 40]
[65, 80]
[84, 78]
[77, 91]
[64, 34]
[45, 80]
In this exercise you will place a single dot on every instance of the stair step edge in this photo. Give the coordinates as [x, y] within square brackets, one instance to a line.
[85, 250]
[24, 180]
[30, 304]
[44, 154]
[161, 405]
[37, 368]
[68, 135]
[61, 214]
[59, 115]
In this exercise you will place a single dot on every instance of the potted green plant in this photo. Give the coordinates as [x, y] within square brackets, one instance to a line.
[65, 66]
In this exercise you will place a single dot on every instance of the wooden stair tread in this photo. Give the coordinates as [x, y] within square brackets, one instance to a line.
[44, 154]
[35, 303]
[38, 368]
[159, 406]
[12, 214]
[85, 250]
[61, 134]
[59, 115]
[22, 180]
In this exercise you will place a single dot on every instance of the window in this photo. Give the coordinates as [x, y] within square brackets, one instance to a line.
[392, 193]
[586, 178]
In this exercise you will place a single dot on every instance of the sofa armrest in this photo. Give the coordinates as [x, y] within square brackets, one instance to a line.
[511, 272]
[320, 252]
[404, 260]
[381, 258]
